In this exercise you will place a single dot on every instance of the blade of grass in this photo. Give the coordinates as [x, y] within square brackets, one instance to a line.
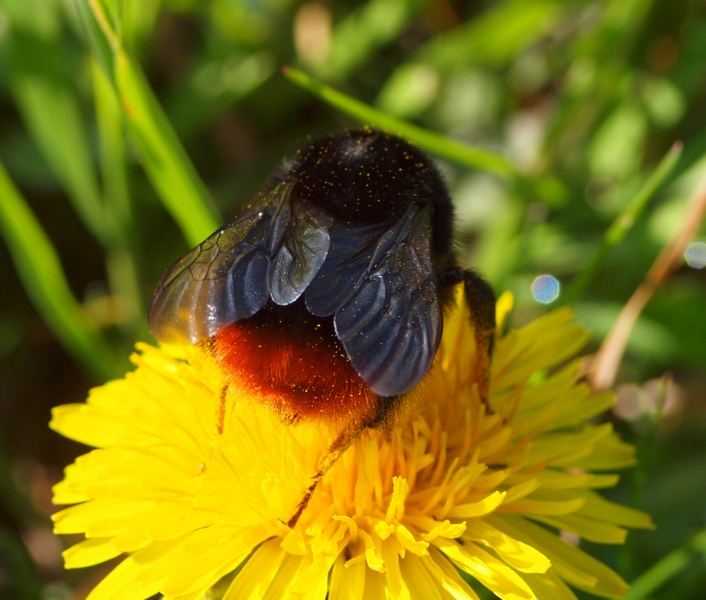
[50, 109]
[470, 156]
[42, 275]
[668, 568]
[162, 156]
[624, 222]
[112, 149]
[99, 33]
[120, 260]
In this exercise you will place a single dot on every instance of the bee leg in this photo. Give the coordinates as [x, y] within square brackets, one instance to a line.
[305, 500]
[480, 298]
[380, 418]
[222, 409]
[338, 447]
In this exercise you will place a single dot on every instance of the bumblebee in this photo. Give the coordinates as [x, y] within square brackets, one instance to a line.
[326, 296]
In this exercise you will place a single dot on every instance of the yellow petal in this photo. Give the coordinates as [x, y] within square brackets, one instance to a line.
[89, 552]
[84, 424]
[549, 587]
[347, 582]
[600, 509]
[533, 506]
[396, 585]
[311, 580]
[77, 519]
[124, 582]
[518, 555]
[418, 579]
[478, 509]
[257, 574]
[407, 541]
[375, 586]
[448, 577]
[207, 555]
[277, 589]
[570, 563]
[555, 479]
[487, 569]
[592, 530]
[520, 490]
[373, 557]
[609, 453]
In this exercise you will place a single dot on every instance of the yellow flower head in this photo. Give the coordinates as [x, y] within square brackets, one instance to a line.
[195, 486]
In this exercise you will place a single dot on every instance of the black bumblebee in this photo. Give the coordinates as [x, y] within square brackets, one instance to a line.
[326, 296]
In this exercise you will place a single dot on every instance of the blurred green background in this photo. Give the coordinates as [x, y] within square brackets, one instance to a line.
[129, 130]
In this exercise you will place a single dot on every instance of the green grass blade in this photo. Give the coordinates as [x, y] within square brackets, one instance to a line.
[625, 221]
[469, 156]
[668, 568]
[121, 262]
[112, 152]
[163, 157]
[99, 32]
[40, 270]
[50, 109]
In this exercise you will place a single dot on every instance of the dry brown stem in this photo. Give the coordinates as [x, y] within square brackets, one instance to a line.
[605, 364]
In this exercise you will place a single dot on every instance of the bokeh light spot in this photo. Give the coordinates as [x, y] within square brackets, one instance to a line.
[545, 289]
[695, 255]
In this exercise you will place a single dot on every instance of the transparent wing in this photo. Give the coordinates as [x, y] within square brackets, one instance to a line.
[303, 249]
[391, 325]
[223, 279]
[351, 252]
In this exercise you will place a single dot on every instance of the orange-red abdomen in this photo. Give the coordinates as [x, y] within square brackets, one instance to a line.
[293, 361]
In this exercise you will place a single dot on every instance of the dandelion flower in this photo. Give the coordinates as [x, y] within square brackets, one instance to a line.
[194, 487]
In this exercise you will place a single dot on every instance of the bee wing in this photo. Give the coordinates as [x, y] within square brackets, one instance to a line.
[351, 252]
[297, 259]
[223, 279]
[390, 326]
